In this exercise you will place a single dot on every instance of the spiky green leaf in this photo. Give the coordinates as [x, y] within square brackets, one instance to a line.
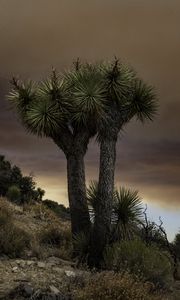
[44, 118]
[143, 102]
[88, 93]
[128, 211]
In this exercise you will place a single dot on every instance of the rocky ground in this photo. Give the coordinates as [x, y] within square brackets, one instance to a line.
[44, 272]
[51, 279]
[33, 279]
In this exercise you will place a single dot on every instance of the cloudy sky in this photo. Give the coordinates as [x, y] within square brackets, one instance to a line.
[38, 34]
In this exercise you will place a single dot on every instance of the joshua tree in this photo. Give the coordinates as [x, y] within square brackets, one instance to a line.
[70, 110]
[52, 109]
[126, 97]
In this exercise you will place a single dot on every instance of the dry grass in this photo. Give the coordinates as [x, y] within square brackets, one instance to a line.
[110, 286]
[34, 226]
[13, 240]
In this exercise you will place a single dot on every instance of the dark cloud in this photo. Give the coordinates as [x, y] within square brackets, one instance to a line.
[38, 34]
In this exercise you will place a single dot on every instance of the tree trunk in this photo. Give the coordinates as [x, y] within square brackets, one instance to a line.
[74, 145]
[103, 213]
[80, 220]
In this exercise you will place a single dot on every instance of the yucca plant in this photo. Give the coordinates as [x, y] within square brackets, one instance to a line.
[128, 213]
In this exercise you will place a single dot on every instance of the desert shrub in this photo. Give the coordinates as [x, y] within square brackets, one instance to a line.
[176, 245]
[13, 240]
[40, 211]
[12, 176]
[135, 256]
[5, 213]
[54, 235]
[59, 209]
[13, 193]
[110, 286]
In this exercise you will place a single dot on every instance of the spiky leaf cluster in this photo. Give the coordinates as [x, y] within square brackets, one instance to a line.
[142, 102]
[88, 94]
[44, 108]
[117, 80]
[92, 194]
[127, 205]
[22, 95]
[128, 210]
[99, 97]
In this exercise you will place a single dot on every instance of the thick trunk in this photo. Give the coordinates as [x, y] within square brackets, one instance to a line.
[74, 145]
[80, 219]
[103, 211]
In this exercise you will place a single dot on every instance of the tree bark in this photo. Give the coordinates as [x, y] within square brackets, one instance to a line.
[74, 145]
[80, 220]
[103, 213]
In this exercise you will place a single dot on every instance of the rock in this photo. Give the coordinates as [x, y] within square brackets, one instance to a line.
[21, 263]
[70, 273]
[15, 269]
[41, 265]
[30, 262]
[54, 290]
[50, 265]
[54, 260]
[23, 289]
[49, 295]
[13, 264]
[27, 290]
[18, 261]
[58, 270]
[66, 262]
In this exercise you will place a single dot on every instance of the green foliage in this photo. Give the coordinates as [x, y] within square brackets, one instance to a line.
[117, 81]
[143, 103]
[87, 91]
[43, 108]
[148, 261]
[111, 286]
[18, 188]
[127, 209]
[43, 118]
[14, 193]
[88, 95]
[38, 194]
[81, 244]
[22, 94]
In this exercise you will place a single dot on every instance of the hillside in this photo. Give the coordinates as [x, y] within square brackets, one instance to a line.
[42, 268]
[39, 266]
